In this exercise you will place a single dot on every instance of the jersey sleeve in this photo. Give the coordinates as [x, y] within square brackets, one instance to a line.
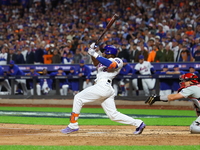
[118, 61]
[186, 92]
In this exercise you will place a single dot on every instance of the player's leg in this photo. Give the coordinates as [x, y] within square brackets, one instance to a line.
[23, 84]
[110, 109]
[151, 85]
[195, 127]
[145, 87]
[6, 84]
[65, 89]
[122, 86]
[87, 95]
[135, 86]
[38, 89]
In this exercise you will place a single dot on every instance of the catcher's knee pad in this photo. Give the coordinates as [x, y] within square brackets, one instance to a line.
[196, 106]
[195, 127]
[74, 117]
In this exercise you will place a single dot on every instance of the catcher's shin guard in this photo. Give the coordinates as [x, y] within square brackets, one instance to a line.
[151, 99]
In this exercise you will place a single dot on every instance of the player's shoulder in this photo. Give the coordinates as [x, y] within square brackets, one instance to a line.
[146, 62]
[116, 59]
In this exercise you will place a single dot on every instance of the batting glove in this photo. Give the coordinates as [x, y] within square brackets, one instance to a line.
[93, 45]
[91, 51]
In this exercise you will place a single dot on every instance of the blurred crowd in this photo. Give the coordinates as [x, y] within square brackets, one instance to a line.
[60, 31]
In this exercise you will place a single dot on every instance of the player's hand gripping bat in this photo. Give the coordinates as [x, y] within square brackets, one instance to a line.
[110, 23]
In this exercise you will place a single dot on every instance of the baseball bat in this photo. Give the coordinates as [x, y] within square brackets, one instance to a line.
[110, 23]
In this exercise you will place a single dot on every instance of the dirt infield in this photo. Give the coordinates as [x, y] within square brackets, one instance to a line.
[17, 134]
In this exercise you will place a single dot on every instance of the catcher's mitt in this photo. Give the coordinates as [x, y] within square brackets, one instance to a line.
[151, 99]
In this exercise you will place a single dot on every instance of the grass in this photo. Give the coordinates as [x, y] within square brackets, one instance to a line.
[172, 121]
[100, 110]
[65, 121]
[24, 147]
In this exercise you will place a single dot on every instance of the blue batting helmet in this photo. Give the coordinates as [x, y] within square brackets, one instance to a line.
[110, 50]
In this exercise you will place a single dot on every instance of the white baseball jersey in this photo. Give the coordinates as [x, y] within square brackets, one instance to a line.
[102, 70]
[191, 91]
[103, 92]
[144, 68]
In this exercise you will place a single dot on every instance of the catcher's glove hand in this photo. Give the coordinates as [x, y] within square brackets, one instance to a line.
[151, 99]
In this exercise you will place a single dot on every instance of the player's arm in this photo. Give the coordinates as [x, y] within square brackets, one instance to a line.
[165, 98]
[173, 97]
[106, 62]
[95, 61]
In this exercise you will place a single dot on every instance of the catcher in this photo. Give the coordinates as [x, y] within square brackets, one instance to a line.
[190, 88]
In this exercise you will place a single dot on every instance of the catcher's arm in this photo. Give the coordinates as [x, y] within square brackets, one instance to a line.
[152, 99]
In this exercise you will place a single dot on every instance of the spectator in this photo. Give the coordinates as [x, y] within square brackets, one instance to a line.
[124, 53]
[39, 54]
[85, 72]
[19, 59]
[24, 52]
[194, 45]
[67, 58]
[38, 86]
[189, 30]
[160, 54]
[169, 55]
[152, 54]
[64, 83]
[5, 83]
[175, 48]
[185, 55]
[77, 56]
[14, 70]
[142, 51]
[133, 52]
[3, 56]
[56, 59]
[30, 56]
[197, 53]
[11, 55]
[85, 56]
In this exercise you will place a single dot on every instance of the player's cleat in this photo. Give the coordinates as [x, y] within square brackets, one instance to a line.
[68, 130]
[140, 129]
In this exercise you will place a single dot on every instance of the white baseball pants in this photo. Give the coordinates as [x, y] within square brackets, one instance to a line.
[103, 92]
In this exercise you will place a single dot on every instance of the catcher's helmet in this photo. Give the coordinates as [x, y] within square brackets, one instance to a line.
[110, 50]
[188, 77]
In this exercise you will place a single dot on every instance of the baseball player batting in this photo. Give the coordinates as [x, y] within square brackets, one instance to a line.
[107, 68]
[190, 88]
[144, 68]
